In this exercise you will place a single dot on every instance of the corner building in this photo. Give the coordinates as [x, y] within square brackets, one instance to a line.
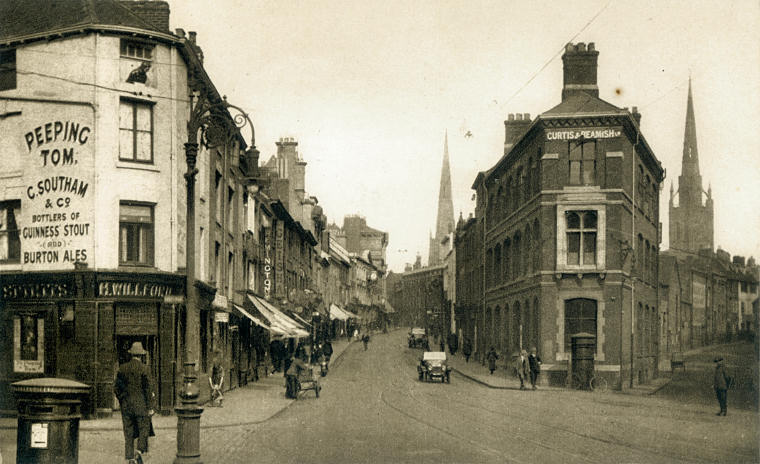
[570, 234]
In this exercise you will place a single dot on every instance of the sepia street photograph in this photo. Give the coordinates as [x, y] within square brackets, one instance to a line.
[381, 232]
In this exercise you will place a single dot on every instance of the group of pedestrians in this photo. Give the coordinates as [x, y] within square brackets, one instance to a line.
[527, 366]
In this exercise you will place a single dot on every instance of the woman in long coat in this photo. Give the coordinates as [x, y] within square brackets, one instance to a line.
[491, 357]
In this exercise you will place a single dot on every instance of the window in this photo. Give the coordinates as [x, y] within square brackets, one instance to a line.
[136, 131]
[230, 273]
[135, 234]
[133, 49]
[583, 162]
[230, 210]
[580, 317]
[218, 191]
[7, 69]
[10, 244]
[580, 229]
[217, 261]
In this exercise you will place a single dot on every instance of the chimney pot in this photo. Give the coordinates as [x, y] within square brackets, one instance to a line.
[526, 116]
[180, 32]
[511, 117]
[193, 35]
[581, 47]
[591, 46]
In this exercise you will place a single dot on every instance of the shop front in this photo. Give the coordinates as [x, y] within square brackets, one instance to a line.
[79, 325]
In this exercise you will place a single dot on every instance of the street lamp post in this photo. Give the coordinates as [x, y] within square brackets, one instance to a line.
[216, 127]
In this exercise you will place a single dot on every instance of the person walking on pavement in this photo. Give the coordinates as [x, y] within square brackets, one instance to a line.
[327, 349]
[721, 382]
[534, 364]
[365, 340]
[467, 350]
[491, 357]
[453, 343]
[521, 366]
[134, 389]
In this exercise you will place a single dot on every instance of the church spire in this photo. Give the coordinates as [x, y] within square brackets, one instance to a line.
[445, 219]
[690, 160]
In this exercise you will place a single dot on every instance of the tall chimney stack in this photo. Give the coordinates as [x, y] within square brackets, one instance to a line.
[579, 70]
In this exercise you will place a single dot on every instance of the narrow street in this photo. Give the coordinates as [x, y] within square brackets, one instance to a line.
[373, 409]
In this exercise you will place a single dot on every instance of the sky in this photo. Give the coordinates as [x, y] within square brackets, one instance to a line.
[369, 88]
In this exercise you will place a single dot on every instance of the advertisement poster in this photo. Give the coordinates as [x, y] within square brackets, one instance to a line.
[57, 202]
[28, 344]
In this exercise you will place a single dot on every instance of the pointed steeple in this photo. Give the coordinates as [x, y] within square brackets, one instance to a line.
[445, 219]
[690, 160]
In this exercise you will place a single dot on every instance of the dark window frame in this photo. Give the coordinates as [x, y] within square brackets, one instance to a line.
[13, 241]
[150, 251]
[581, 320]
[583, 233]
[586, 163]
[8, 69]
[139, 48]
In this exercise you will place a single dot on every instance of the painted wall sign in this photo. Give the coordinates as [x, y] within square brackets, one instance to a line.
[279, 270]
[221, 316]
[28, 344]
[136, 289]
[57, 205]
[39, 438]
[574, 134]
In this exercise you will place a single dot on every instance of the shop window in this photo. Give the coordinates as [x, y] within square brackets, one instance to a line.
[7, 69]
[580, 316]
[135, 131]
[28, 344]
[136, 234]
[580, 230]
[583, 162]
[133, 49]
[10, 243]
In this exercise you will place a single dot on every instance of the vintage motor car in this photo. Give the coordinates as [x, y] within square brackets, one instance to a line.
[417, 338]
[433, 366]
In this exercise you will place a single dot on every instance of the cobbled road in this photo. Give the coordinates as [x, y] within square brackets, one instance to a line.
[373, 409]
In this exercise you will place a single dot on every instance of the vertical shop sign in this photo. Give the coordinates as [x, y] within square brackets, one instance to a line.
[267, 272]
[279, 271]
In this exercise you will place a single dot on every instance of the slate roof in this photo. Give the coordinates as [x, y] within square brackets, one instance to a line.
[29, 18]
[582, 103]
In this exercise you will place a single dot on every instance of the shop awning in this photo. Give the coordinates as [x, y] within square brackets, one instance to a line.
[277, 319]
[256, 320]
[350, 314]
[387, 308]
[337, 313]
[302, 320]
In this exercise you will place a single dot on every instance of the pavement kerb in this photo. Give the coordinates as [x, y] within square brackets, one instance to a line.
[499, 387]
[118, 427]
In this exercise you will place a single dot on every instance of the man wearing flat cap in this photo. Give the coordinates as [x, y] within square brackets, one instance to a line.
[134, 389]
[720, 383]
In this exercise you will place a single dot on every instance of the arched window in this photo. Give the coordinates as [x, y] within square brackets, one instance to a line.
[580, 317]
[516, 326]
[497, 272]
[489, 266]
[507, 257]
[527, 325]
[516, 254]
[639, 329]
[497, 328]
[536, 246]
[536, 325]
[647, 257]
[528, 254]
[509, 196]
[640, 256]
[505, 323]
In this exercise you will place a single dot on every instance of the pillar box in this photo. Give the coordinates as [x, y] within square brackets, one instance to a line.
[49, 410]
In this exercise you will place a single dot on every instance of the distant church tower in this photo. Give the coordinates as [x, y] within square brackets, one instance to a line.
[691, 222]
[445, 219]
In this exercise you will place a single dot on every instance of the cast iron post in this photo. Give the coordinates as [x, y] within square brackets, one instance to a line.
[217, 127]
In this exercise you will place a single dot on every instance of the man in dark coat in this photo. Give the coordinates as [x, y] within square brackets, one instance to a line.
[134, 389]
[467, 349]
[534, 364]
[491, 357]
[453, 343]
[720, 383]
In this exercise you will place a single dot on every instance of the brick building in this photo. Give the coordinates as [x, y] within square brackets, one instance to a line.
[564, 211]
